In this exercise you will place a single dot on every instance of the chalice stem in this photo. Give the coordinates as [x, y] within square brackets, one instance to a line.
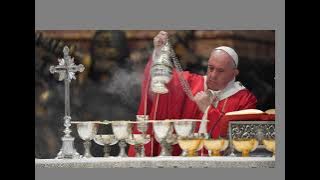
[122, 152]
[87, 145]
[106, 150]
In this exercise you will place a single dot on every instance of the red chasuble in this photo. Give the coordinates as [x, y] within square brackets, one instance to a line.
[176, 105]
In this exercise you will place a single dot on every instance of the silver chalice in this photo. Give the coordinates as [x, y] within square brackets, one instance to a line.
[122, 131]
[163, 129]
[87, 130]
[105, 140]
[138, 141]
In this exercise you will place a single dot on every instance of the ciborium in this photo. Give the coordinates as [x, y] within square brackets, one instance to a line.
[215, 146]
[163, 129]
[105, 140]
[122, 131]
[270, 145]
[245, 146]
[87, 130]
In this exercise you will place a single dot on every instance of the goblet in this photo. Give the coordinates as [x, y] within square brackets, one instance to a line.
[270, 145]
[162, 130]
[215, 146]
[122, 130]
[105, 140]
[245, 146]
[138, 141]
[142, 126]
[87, 130]
[184, 128]
[170, 140]
[190, 145]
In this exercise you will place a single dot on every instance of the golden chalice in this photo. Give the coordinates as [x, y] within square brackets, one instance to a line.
[245, 146]
[216, 145]
[270, 145]
[190, 145]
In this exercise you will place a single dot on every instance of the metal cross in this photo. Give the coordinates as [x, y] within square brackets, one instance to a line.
[66, 70]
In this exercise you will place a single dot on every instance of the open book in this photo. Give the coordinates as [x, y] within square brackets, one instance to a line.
[251, 111]
[251, 114]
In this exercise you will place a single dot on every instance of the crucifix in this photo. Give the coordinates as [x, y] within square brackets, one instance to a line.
[66, 70]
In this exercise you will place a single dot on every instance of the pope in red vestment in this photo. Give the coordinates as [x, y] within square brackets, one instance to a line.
[220, 80]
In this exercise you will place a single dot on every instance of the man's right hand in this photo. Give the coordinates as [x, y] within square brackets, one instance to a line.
[160, 39]
[203, 100]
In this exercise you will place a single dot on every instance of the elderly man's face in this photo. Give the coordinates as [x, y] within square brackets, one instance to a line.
[221, 70]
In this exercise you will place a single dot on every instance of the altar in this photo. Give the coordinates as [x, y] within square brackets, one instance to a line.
[158, 162]
[241, 145]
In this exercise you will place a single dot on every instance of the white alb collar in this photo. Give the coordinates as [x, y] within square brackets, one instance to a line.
[232, 88]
